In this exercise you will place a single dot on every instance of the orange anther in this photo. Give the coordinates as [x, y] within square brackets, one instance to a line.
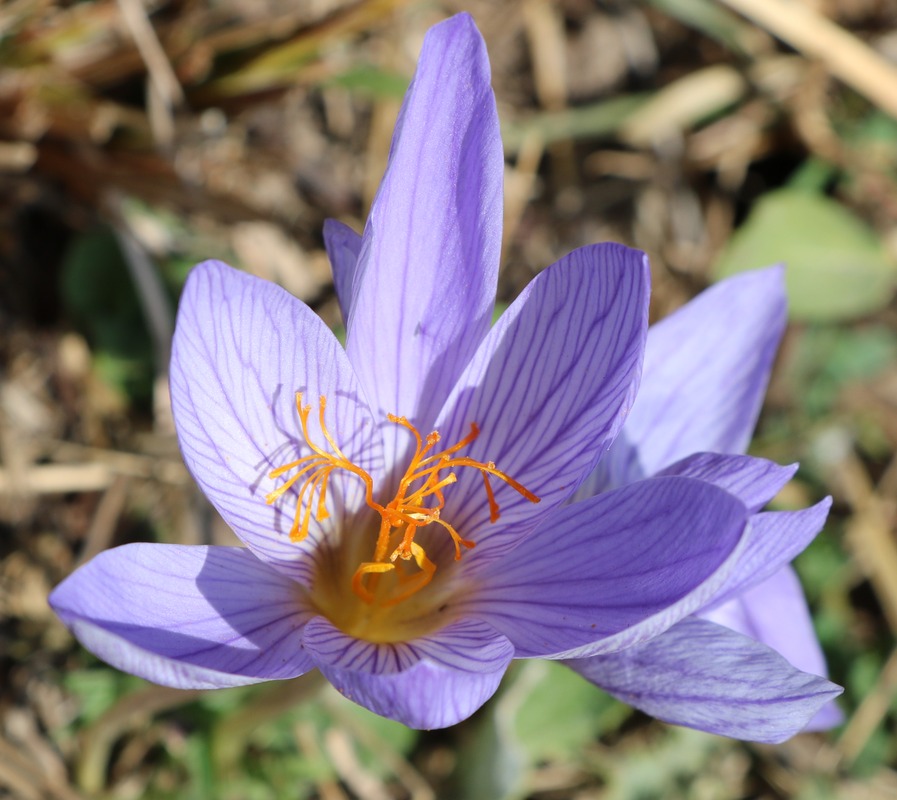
[418, 502]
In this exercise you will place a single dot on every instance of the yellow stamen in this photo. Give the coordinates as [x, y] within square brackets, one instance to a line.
[411, 509]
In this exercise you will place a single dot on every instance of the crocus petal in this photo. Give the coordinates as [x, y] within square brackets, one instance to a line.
[754, 481]
[549, 388]
[612, 571]
[242, 348]
[773, 539]
[705, 374]
[775, 613]
[431, 682]
[188, 617]
[343, 246]
[427, 271]
[707, 677]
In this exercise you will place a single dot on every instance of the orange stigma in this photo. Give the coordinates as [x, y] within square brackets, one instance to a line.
[418, 502]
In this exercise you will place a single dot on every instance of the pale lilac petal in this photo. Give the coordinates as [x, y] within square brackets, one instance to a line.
[704, 378]
[242, 348]
[773, 539]
[549, 389]
[188, 617]
[754, 481]
[343, 246]
[775, 613]
[425, 284]
[430, 682]
[707, 677]
[612, 571]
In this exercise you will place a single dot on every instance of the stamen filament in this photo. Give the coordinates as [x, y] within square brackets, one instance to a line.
[407, 512]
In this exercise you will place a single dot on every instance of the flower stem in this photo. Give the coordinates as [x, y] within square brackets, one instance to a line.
[231, 734]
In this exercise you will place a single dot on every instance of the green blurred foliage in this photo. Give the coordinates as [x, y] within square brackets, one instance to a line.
[837, 268]
[829, 359]
[97, 688]
[99, 295]
[543, 712]
[367, 80]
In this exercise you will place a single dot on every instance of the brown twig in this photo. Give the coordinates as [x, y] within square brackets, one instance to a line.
[342, 755]
[105, 518]
[56, 479]
[413, 781]
[166, 92]
[845, 56]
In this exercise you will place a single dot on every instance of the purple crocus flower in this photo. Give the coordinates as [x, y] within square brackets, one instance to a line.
[408, 566]
[705, 373]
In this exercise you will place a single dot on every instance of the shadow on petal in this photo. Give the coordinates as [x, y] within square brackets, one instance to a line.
[187, 616]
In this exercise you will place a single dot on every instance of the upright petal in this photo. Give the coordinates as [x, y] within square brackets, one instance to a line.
[705, 374]
[425, 283]
[613, 570]
[549, 388]
[242, 348]
[188, 617]
[707, 677]
[343, 246]
[431, 682]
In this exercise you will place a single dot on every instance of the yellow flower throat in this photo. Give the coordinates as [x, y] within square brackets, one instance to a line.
[418, 503]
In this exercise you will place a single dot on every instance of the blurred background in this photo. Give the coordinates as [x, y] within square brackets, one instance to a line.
[137, 138]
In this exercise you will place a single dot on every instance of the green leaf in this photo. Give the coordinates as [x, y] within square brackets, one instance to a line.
[836, 267]
[813, 175]
[371, 81]
[716, 22]
[597, 120]
[98, 293]
[198, 761]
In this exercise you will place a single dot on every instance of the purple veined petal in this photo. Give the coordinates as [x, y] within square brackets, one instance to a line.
[707, 677]
[187, 616]
[773, 539]
[431, 682]
[425, 285]
[612, 571]
[754, 481]
[242, 348]
[704, 378]
[775, 613]
[549, 388]
[343, 246]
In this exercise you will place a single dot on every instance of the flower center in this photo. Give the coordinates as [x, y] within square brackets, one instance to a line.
[418, 503]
